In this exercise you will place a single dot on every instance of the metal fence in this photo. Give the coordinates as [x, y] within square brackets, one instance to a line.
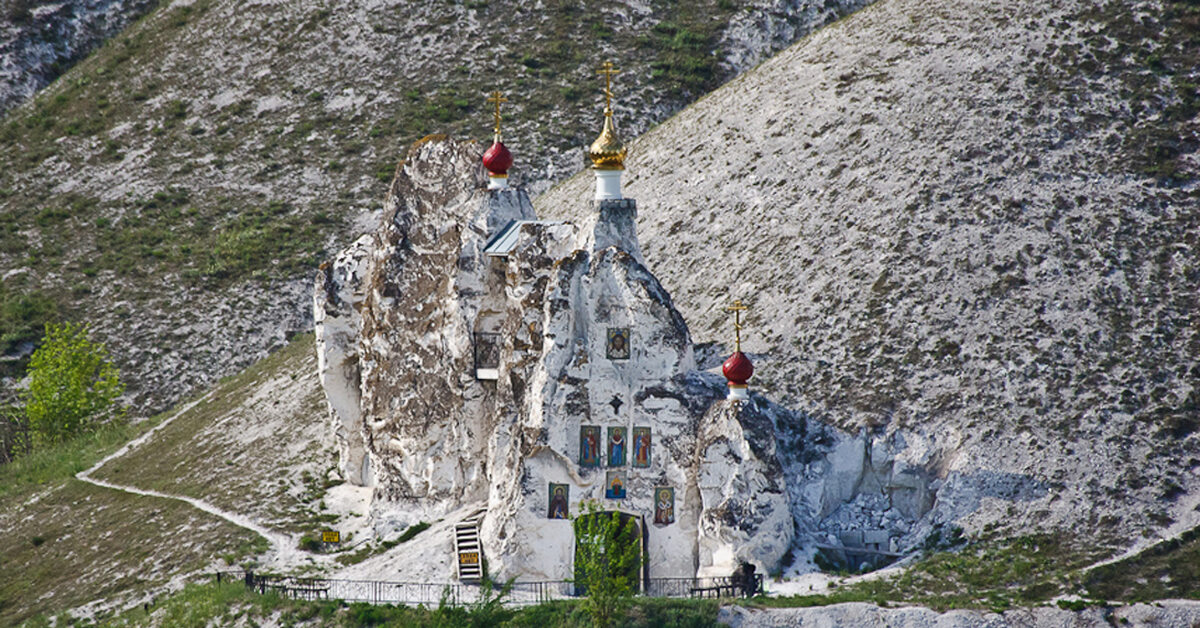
[457, 594]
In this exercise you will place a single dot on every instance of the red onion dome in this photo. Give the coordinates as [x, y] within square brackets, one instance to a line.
[737, 368]
[498, 160]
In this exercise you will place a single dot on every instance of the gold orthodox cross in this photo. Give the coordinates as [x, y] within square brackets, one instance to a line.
[497, 98]
[608, 70]
[737, 308]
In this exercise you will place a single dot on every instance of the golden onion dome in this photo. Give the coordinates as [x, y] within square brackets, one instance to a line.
[607, 152]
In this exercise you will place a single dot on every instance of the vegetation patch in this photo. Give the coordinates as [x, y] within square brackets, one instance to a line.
[993, 575]
[231, 603]
[1170, 569]
[219, 451]
[69, 543]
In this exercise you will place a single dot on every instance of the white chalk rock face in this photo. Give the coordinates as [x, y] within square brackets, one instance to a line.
[746, 515]
[336, 302]
[474, 356]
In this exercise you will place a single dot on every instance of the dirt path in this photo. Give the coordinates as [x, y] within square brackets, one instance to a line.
[1189, 518]
[283, 553]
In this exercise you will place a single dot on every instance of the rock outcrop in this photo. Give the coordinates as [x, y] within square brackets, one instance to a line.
[860, 615]
[458, 375]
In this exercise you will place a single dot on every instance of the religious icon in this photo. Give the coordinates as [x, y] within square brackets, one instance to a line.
[617, 347]
[616, 446]
[558, 501]
[641, 447]
[615, 489]
[589, 446]
[664, 505]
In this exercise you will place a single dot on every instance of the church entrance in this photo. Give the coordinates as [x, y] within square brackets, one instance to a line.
[591, 551]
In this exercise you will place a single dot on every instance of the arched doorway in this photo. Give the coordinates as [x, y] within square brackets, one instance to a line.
[629, 535]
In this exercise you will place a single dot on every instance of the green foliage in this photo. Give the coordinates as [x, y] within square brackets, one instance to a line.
[412, 531]
[995, 575]
[231, 603]
[72, 385]
[607, 558]
[1170, 569]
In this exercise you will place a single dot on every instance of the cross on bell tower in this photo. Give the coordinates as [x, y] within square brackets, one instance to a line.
[608, 70]
[607, 152]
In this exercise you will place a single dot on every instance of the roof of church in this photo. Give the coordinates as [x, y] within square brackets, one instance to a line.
[503, 242]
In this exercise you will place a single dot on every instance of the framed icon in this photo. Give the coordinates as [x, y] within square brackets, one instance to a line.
[641, 447]
[614, 488]
[664, 505]
[559, 501]
[617, 346]
[589, 446]
[617, 444]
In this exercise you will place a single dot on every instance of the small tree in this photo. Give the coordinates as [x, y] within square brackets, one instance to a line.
[72, 385]
[607, 559]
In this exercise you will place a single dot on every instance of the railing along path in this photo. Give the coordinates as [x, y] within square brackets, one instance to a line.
[457, 594]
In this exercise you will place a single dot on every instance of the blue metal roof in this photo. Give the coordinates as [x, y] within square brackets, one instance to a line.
[503, 243]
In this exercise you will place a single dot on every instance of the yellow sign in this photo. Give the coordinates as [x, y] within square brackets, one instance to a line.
[331, 536]
[468, 558]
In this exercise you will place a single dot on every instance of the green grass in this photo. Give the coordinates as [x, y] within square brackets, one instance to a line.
[55, 464]
[227, 603]
[995, 575]
[218, 451]
[1168, 570]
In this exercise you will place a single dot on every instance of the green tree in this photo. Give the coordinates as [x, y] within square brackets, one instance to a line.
[608, 556]
[72, 385]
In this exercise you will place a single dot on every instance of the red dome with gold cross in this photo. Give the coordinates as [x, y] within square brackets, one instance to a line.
[498, 159]
[738, 368]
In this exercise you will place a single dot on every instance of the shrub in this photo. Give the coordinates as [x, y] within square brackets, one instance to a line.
[605, 559]
[72, 385]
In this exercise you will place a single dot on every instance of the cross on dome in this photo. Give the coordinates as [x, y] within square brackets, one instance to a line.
[738, 368]
[737, 308]
[608, 70]
[497, 98]
[497, 159]
[607, 152]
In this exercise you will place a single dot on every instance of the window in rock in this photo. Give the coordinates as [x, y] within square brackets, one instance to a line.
[487, 355]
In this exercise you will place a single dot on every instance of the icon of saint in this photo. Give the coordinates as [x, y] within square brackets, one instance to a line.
[616, 447]
[558, 502]
[616, 488]
[641, 448]
[664, 506]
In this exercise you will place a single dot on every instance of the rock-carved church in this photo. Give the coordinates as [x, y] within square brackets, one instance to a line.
[484, 365]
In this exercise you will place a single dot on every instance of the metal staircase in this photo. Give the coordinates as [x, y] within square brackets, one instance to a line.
[467, 551]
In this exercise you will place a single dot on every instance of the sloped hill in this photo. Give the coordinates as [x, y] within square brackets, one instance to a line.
[178, 187]
[39, 40]
[976, 222]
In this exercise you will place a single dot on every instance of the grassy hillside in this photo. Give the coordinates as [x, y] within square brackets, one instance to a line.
[67, 543]
[179, 186]
[257, 444]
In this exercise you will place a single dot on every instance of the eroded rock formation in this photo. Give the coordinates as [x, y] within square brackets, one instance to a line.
[459, 376]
